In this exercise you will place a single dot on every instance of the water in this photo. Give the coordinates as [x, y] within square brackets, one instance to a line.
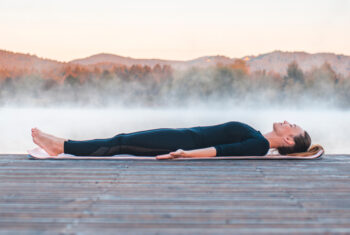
[329, 128]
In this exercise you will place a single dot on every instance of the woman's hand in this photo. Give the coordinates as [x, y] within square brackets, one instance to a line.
[193, 153]
[171, 155]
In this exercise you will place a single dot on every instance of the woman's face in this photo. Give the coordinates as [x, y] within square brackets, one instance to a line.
[286, 129]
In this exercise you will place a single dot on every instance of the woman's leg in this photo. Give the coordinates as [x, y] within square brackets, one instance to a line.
[93, 147]
[142, 143]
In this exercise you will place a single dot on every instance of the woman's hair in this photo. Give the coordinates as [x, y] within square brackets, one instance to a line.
[302, 144]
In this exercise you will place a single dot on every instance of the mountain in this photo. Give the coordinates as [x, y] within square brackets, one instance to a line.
[116, 59]
[20, 61]
[104, 58]
[276, 61]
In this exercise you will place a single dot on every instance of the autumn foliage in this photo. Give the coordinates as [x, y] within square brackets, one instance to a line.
[161, 85]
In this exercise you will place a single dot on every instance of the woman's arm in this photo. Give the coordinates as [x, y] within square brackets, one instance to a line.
[194, 153]
[248, 147]
[204, 152]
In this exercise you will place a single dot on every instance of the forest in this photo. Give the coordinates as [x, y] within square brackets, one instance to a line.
[162, 86]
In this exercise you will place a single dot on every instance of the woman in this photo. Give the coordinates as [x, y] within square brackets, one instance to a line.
[226, 139]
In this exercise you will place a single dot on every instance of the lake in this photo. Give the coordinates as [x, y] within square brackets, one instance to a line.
[327, 127]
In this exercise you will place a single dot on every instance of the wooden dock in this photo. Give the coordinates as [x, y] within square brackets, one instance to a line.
[174, 197]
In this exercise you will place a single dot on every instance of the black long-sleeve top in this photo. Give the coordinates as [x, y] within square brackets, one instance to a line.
[231, 139]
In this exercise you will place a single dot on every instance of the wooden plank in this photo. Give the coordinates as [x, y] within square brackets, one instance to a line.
[100, 196]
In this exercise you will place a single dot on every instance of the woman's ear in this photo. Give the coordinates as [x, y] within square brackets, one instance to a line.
[288, 140]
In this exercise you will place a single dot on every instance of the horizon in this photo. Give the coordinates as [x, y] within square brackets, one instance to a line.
[183, 30]
[126, 56]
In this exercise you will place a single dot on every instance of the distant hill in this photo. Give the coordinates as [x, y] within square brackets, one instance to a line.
[274, 61]
[20, 61]
[278, 61]
[128, 61]
[116, 59]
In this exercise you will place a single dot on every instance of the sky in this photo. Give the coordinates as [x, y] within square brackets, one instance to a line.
[178, 30]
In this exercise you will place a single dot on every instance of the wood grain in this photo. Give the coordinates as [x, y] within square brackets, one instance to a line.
[174, 197]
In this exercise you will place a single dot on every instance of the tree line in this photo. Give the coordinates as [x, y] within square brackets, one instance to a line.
[161, 85]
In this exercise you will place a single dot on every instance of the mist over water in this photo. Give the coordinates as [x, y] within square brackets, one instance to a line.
[90, 102]
[327, 127]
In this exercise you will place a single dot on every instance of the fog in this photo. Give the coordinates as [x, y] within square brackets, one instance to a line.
[81, 103]
[327, 127]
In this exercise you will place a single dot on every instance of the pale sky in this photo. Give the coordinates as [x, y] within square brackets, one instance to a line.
[179, 30]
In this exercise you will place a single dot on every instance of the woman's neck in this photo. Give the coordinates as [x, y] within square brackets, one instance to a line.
[273, 139]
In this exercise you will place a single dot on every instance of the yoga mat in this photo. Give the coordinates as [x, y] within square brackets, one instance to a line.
[39, 153]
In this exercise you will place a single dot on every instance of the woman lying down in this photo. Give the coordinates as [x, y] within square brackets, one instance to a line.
[227, 139]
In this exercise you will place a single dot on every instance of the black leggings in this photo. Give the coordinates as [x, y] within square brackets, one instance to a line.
[142, 143]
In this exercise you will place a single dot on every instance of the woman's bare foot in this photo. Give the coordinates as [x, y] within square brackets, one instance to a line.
[51, 144]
